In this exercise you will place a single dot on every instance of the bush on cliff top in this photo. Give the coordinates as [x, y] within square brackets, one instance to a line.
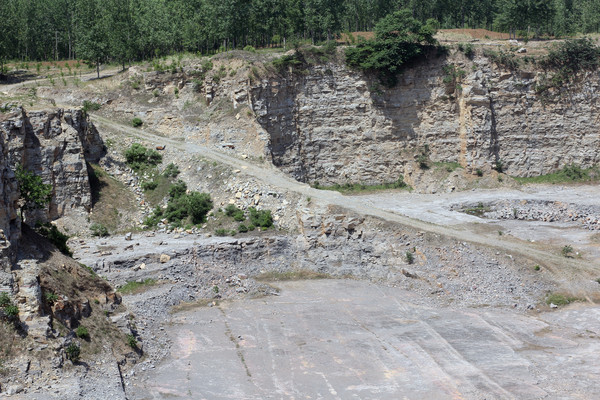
[399, 40]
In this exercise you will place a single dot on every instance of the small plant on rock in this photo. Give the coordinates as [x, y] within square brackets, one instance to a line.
[410, 257]
[82, 332]
[136, 122]
[567, 251]
[73, 351]
[132, 341]
[51, 298]
[98, 230]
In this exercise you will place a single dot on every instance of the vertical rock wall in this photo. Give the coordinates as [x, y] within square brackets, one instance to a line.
[55, 145]
[334, 125]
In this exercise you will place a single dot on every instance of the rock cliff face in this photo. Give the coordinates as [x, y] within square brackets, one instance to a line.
[55, 145]
[334, 125]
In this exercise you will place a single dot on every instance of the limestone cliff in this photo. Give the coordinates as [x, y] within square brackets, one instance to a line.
[54, 144]
[334, 125]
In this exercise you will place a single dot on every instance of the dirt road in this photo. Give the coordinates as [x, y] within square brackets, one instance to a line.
[562, 268]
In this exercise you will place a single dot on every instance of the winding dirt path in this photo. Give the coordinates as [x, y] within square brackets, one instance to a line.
[563, 269]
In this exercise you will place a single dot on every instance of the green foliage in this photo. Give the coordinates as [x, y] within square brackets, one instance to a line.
[569, 173]
[4, 299]
[221, 232]
[261, 218]
[82, 332]
[410, 257]
[136, 287]
[136, 122]
[34, 194]
[132, 341]
[11, 311]
[90, 106]
[98, 230]
[73, 352]
[182, 207]
[400, 39]
[249, 48]
[567, 251]
[503, 59]
[171, 171]
[50, 297]
[479, 172]
[242, 228]
[283, 63]
[560, 299]
[566, 61]
[467, 49]
[177, 189]
[360, 187]
[138, 157]
[235, 213]
[56, 237]
[149, 185]
[498, 166]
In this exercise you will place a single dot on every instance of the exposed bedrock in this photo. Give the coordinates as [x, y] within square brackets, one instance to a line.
[54, 144]
[334, 125]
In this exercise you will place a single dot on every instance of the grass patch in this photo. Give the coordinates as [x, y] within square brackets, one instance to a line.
[110, 200]
[160, 191]
[191, 305]
[346, 188]
[134, 287]
[478, 211]
[447, 166]
[569, 173]
[560, 299]
[303, 274]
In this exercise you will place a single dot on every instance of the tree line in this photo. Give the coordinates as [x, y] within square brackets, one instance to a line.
[123, 30]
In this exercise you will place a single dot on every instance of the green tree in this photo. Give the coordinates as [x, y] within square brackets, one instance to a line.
[92, 33]
[34, 194]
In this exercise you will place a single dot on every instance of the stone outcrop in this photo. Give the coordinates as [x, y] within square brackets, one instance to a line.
[55, 145]
[333, 125]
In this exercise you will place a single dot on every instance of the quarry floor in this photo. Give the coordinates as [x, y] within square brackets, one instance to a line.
[436, 209]
[343, 339]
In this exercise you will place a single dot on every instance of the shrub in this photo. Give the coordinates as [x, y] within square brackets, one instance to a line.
[498, 166]
[98, 230]
[51, 298]
[251, 49]
[194, 205]
[567, 251]
[503, 59]
[4, 299]
[177, 189]
[90, 106]
[137, 122]
[410, 257]
[399, 40]
[11, 310]
[199, 204]
[221, 232]
[171, 171]
[55, 236]
[139, 157]
[261, 218]
[235, 213]
[73, 351]
[479, 172]
[242, 228]
[132, 341]
[82, 332]
[149, 185]
[467, 49]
